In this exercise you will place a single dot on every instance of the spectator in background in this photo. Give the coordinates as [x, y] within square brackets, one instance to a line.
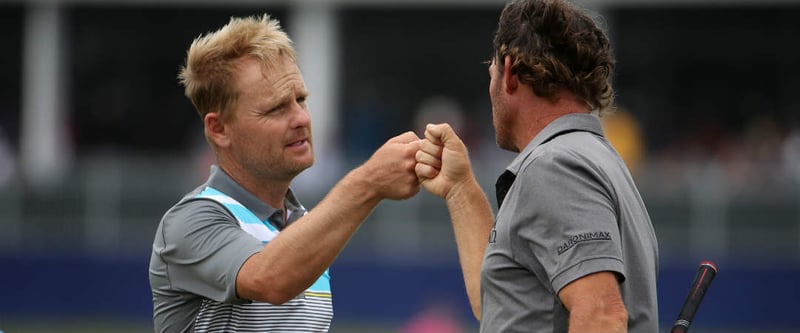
[572, 247]
[437, 109]
[624, 133]
[790, 155]
[8, 160]
[240, 251]
[435, 317]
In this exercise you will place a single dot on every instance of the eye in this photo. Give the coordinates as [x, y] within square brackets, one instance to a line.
[301, 100]
[272, 111]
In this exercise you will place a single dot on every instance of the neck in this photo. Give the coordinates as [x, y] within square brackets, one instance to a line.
[270, 191]
[537, 112]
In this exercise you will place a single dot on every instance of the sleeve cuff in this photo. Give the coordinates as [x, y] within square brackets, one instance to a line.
[586, 267]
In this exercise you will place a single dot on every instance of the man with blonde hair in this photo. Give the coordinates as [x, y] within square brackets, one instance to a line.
[240, 253]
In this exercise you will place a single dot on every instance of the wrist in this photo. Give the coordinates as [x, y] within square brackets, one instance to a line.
[357, 185]
[463, 190]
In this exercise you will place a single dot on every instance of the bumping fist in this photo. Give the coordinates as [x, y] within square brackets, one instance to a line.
[442, 160]
[390, 170]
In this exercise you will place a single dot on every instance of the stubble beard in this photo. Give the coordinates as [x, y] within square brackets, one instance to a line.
[281, 169]
[502, 128]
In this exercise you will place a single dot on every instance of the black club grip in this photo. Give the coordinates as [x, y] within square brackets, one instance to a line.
[705, 274]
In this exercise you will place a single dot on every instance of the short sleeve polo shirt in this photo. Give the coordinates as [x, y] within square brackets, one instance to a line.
[568, 208]
[199, 248]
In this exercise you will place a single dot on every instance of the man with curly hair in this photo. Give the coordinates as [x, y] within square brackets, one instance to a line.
[572, 248]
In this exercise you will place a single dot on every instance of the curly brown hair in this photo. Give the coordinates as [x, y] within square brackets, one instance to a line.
[555, 46]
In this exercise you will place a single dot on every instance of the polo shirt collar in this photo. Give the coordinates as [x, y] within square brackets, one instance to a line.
[567, 123]
[564, 124]
[223, 182]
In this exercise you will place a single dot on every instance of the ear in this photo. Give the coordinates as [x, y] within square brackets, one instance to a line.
[510, 81]
[216, 131]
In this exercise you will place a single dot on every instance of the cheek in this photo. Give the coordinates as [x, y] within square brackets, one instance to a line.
[256, 139]
[494, 92]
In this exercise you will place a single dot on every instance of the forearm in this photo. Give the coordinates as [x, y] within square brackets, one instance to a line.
[595, 304]
[472, 220]
[612, 321]
[291, 263]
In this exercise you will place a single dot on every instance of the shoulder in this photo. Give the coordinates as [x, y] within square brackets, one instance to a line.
[560, 155]
[193, 213]
[572, 152]
[563, 171]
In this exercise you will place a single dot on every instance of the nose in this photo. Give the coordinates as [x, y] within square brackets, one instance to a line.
[300, 115]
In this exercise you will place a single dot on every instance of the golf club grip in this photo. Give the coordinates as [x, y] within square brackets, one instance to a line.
[705, 274]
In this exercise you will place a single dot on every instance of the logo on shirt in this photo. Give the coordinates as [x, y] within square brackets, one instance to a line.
[584, 237]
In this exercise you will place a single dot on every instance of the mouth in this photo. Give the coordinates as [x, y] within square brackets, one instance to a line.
[297, 143]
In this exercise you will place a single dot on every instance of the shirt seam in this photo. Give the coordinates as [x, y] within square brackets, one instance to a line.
[587, 259]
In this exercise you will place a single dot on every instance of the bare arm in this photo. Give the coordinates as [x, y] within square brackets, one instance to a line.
[472, 223]
[292, 261]
[444, 169]
[595, 304]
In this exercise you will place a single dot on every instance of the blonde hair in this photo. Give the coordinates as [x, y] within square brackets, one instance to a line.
[212, 59]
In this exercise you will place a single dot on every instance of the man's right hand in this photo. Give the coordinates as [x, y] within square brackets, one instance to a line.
[390, 170]
[444, 169]
[442, 161]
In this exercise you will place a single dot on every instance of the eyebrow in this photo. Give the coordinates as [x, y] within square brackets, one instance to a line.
[281, 99]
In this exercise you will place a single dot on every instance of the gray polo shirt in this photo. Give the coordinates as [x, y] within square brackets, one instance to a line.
[568, 208]
[198, 250]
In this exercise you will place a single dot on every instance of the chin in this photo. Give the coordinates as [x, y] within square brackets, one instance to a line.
[305, 165]
[506, 145]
